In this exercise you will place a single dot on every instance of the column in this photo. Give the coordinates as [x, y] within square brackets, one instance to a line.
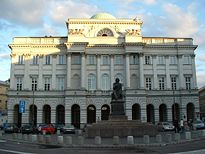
[180, 72]
[53, 87]
[168, 81]
[68, 70]
[156, 114]
[40, 73]
[194, 72]
[67, 112]
[141, 71]
[169, 113]
[26, 83]
[143, 110]
[155, 85]
[39, 116]
[112, 80]
[98, 72]
[53, 115]
[127, 70]
[83, 71]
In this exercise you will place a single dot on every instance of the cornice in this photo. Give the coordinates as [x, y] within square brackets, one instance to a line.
[171, 46]
[35, 45]
[110, 22]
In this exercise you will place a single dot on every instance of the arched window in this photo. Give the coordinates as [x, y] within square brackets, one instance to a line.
[105, 82]
[105, 32]
[91, 82]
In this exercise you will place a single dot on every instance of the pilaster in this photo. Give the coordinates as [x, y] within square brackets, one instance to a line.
[98, 73]
[141, 71]
[40, 73]
[168, 81]
[68, 70]
[111, 71]
[127, 70]
[155, 85]
[54, 72]
[83, 71]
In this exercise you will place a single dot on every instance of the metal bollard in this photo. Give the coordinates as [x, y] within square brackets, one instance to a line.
[47, 139]
[58, 132]
[203, 133]
[19, 136]
[14, 135]
[146, 139]
[25, 137]
[159, 138]
[116, 140]
[60, 139]
[97, 140]
[130, 140]
[68, 140]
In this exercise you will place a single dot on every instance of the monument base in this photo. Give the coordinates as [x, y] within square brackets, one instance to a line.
[120, 127]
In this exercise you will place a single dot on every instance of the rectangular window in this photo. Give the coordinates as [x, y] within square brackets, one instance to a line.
[118, 59]
[60, 83]
[34, 84]
[161, 83]
[61, 59]
[48, 60]
[21, 60]
[173, 60]
[147, 60]
[76, 59]
[47, 83]
[188, 82]
[134, 59]
[19, 83]
[105, 60]
[174, 82]
[35, 60]
[161, 60]
[148, 83]
[187, 59]
[91, 59]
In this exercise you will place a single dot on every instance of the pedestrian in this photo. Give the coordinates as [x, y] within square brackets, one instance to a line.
[176, 126]
[182, 125]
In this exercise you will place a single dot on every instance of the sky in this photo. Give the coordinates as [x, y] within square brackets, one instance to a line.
[163, 18]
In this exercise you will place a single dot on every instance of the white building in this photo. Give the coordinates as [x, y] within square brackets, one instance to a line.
[69, 79]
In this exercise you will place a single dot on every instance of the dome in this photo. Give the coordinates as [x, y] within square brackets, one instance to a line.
[103, 16]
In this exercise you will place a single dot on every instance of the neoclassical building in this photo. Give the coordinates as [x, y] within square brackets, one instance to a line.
[69, 79]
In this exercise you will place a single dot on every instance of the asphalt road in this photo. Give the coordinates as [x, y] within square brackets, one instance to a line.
[10, 147]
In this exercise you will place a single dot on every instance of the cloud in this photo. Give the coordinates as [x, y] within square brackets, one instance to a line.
[23, 12]
[200, 78]
[4, 56]
[60, 11]
[178, 22]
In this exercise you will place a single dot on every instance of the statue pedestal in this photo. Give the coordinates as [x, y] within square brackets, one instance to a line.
[117, 110]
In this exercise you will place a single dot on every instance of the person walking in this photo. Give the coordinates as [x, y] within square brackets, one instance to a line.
[182, 125]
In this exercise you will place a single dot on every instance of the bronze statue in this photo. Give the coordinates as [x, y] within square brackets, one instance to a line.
[117, 90]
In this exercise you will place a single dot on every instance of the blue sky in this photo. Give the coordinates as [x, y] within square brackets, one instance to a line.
[164, 18]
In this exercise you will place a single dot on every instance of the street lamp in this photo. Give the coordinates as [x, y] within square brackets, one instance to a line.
[33, 109]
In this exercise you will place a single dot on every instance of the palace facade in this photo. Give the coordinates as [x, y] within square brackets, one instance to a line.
[69, 79]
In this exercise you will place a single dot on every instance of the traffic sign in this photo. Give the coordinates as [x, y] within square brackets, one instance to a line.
[22, 106]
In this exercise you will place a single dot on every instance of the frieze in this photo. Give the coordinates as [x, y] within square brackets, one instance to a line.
[133, 32]
[76, 31]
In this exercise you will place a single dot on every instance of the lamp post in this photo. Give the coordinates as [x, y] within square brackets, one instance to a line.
[33, 110]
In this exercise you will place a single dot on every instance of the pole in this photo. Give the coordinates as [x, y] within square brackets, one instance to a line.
[33, 109]
[175, 116]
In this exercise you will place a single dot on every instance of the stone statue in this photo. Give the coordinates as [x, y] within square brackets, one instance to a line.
[117, 90]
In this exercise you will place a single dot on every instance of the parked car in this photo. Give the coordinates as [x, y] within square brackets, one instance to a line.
[59, 127]
[47, 128]
[27, 129]
[11, 128]
[165, 126]
[68, 129]
[198, 124]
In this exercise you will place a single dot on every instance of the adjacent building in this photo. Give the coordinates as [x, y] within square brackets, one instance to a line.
[4, 86]
[69, 79]
[202, 102]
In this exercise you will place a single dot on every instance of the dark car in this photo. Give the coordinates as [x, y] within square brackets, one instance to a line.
[68, 129]
[11, 128]
[27, 129]
[59, 127]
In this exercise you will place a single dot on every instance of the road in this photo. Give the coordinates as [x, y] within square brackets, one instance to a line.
[10, 147]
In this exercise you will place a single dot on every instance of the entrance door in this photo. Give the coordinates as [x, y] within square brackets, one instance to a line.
[105, 112]
[91, 114]
[17, 116]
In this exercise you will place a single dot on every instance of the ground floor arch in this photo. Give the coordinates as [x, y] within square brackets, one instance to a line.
[17, 116]
[175, 112]
[136, 112]
[75, 115]
[60, 114]
[46, 114]
[91, 114]
[33, 114]
[162, 113]
[190, 111]
[150, 113]
[105, 112]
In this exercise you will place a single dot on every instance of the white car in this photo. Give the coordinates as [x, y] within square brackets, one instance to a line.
[198, 124]
[165, 126]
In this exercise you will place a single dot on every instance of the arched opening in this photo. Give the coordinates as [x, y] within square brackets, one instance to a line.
[190, 111]
[150, 113]
[91, 114]
[162, 113]
[75, 115]
[33, 115]
[175, 112]
[60, 114]
[46, 114]
[136, 112]
[105, 112]
[17, 116]
[105, 32]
